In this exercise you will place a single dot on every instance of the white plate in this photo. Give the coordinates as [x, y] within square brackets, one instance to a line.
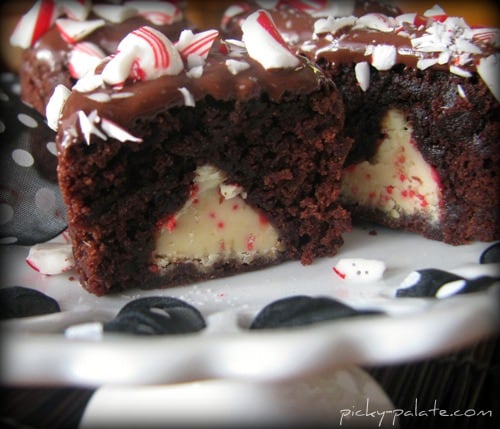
[35, 349]
[346, 397]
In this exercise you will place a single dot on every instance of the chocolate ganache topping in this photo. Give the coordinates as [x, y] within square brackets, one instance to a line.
[197, 66]
[145, 98]
[295, 19]
[434, 40]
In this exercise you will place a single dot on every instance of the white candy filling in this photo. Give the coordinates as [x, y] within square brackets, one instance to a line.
[215, 224]
[397, 180]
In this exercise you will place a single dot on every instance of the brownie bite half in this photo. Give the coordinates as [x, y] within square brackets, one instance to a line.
[421, 98]
[198, 160]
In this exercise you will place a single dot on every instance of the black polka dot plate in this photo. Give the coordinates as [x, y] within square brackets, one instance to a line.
[387, 297]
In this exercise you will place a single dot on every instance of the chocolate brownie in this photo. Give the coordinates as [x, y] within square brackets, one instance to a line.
[212, 163]
[421, 98]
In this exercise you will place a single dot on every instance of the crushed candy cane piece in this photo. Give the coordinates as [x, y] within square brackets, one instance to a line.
[100, 97]
[194, 61]
[75, 9]
[332, 24]
[489, 70]
[466, 46]
[195, 72]
[88, 83]
[113, 12]
[460, 71]
[72, 31]
[383, 57]
[362, 72]
[116, 132]
[424, 63]
[265, 43]
[486, 35]
[143, 54]
[157, 12]
[359, 269]
[51, 258]
[103, 128]
[84, 58]
[232, 47]
[122, 94]
[376, 21]
[196, 44]
[118, 69]
[235, 66]
[34, 24]
[461, 91]
[443, 57]
[88, 125]
[188, 97]
[55, 106]
[435, 10]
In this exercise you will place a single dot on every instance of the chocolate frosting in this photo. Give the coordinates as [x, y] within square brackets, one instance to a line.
[295, 25]
[349, 45]
[145, 99]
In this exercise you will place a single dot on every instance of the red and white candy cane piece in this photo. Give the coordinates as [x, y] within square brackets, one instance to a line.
[113, 12]
[51, 258]
[72, 31]
[157, 12]
[436, 13]
[34, 24]
[487, 35]
[420, 21]
[143, 54]
[83, 58]
[75, 9]
[264, 42]
[196, 44]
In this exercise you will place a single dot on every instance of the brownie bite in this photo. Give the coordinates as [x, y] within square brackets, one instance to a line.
[421, 100]
[199, 160]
